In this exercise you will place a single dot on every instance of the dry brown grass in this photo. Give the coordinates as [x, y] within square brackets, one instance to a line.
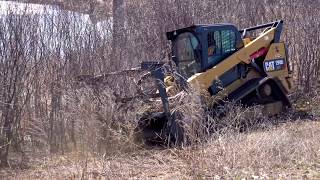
[290, 150]
[281, 147]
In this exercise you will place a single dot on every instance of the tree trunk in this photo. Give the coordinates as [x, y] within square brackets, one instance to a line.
[118, 34]
[6, 136]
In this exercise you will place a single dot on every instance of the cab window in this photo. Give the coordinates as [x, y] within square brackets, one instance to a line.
[188, 54]
[228, 39]
[220, 43]
[214, 43]
[214, 47]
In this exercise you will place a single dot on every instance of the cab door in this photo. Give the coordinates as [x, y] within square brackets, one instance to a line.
[220, 44]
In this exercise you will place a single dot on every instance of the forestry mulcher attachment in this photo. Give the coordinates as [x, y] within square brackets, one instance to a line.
[248, 66]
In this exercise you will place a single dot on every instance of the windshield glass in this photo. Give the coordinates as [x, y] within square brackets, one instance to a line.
[188, 54]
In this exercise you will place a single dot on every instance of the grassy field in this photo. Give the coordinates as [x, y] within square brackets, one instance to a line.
[288, 150]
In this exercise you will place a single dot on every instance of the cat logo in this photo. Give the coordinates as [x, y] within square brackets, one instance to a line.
[274, 65]
[269, 66]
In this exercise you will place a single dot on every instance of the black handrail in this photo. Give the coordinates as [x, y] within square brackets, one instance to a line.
[271, 24]
[277, 24]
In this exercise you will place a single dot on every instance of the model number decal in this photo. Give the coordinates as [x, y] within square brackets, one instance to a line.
[274, 65]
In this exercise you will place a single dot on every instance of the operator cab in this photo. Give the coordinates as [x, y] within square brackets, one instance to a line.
[200, 47]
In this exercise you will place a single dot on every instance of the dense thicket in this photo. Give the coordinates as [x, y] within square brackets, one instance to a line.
[41, 105]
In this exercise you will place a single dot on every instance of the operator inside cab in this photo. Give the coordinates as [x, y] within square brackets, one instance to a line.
[211, 46]
[203, 49]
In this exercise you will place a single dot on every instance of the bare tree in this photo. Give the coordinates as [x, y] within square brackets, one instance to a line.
[15, 85]
[118, 34]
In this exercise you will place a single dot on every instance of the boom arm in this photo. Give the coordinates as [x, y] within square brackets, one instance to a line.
[204, 80]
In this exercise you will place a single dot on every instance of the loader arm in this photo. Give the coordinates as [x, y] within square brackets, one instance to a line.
[204, 80]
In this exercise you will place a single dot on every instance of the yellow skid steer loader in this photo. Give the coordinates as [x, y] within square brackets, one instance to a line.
[245, 66]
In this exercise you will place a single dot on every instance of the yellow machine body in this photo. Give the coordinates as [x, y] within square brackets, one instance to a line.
[228, 65]
[274, 65]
